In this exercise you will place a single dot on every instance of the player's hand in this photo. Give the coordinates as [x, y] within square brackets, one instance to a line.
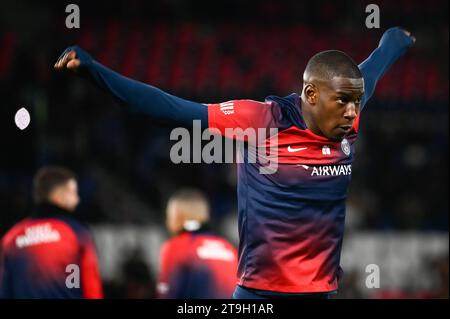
[73, 58]
[397, 37]
[68, 61]
[413, 38]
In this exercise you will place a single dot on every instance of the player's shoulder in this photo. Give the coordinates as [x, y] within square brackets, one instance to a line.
[178, 245]
[14, 231]
[68, 229]
[81, 230]
[213, 238]
[177, 240]
[250, 102]
[291, 98]
[232, 105]
[290, 107]
[76, 225]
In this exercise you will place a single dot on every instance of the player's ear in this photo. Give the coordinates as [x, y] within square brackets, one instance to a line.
[311, 93]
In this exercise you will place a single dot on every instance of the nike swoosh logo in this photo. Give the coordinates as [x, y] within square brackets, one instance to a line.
[291, 149]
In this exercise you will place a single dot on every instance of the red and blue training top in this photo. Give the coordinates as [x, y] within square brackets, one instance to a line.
[197, 265]
[291, 222]
[49, 256]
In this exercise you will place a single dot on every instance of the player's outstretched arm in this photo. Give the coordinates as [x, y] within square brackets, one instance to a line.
[137, 96]
[393, 44]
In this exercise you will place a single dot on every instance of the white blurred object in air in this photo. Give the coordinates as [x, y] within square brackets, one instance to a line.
[22, 118]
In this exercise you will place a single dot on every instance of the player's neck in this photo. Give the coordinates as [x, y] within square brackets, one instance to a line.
[309, 118]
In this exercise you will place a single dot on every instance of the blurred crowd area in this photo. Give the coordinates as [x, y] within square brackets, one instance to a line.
[213, 52]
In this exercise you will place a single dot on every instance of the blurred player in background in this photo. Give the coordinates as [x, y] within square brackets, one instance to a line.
[291, 223]
[50, 254]
[195, 263]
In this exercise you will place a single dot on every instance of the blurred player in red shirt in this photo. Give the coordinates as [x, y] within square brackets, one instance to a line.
[50, 254]
[195, 263]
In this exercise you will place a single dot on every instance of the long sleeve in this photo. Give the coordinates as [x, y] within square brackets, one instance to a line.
[166, 108]
[393, 44]
[139, 97]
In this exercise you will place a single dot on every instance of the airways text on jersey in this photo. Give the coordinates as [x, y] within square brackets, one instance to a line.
[329, 170]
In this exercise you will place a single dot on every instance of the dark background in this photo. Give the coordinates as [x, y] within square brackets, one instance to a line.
[214, 51]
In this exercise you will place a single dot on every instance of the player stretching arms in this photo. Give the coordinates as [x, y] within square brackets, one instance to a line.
[291, 223]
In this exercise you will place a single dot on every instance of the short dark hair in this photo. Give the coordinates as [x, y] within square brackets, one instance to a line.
[332, 63]
[47, 179]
